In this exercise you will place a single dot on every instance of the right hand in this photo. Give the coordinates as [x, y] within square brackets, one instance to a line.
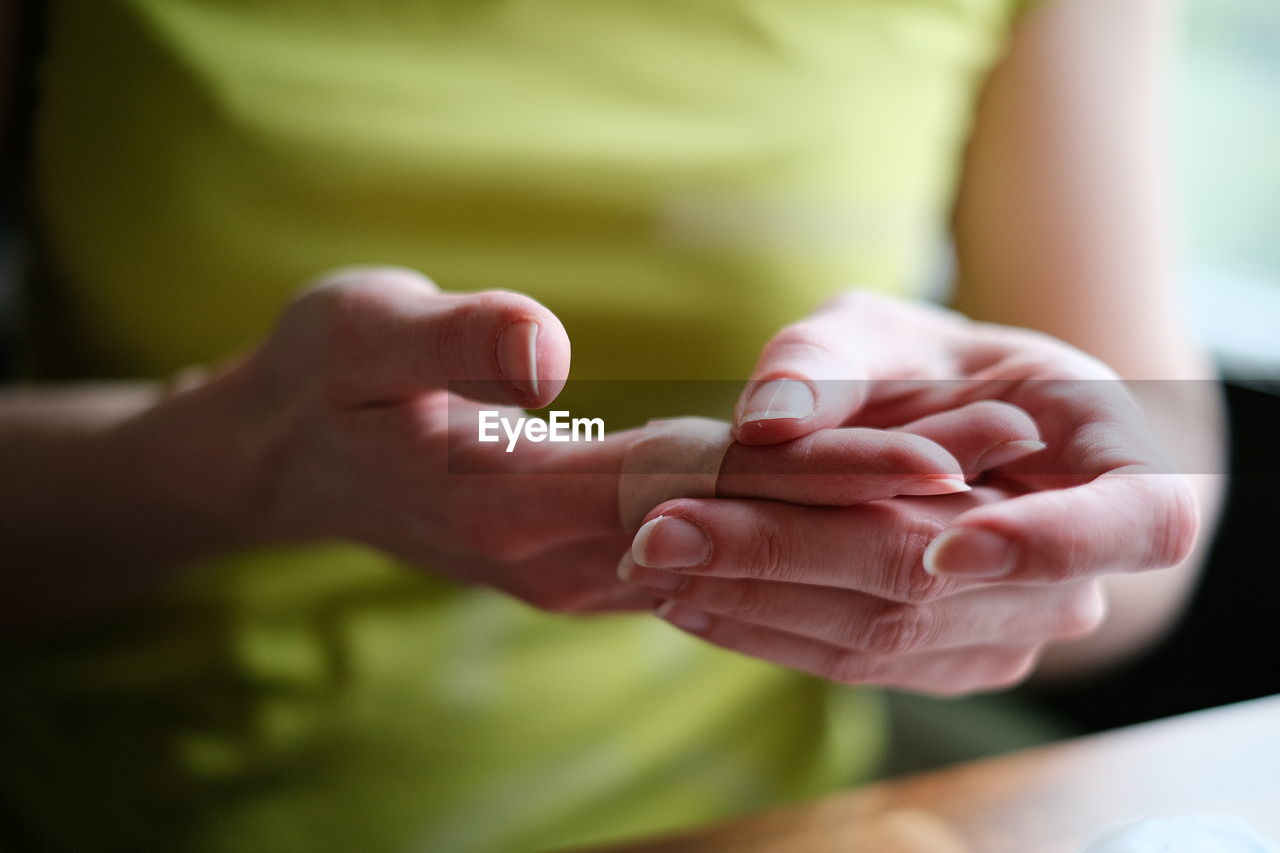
[350, 406]
[354, 434]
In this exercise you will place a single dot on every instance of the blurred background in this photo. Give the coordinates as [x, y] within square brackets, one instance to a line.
[1228, 155]
[1228, 131]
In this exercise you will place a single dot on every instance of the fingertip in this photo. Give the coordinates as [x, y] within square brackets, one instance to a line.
[920, 457]
[1006, 452]
[784, 397]
[530, 350]
[981, 436]
[1004, 420]
[517, 353]
[777, 409]
[534, 353]
[553, 357]
[931, 486]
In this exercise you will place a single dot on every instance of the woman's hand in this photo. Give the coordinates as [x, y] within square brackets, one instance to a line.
[361, 437]
[945, 594]
[342, 425]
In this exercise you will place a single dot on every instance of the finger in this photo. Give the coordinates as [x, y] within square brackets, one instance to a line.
[929, 360]
[840, 467]
[816, 374]
[1120, 522]
[982, 435]
[563, 491]
[1111, 502]
[391, 335]
[809, 377]
[945, 673]
[578, 482]
[875, 548]
[990, 616]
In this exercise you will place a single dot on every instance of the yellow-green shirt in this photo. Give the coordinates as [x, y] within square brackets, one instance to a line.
[676, 181]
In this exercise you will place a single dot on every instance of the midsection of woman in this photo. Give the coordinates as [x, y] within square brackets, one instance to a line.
[675, 183]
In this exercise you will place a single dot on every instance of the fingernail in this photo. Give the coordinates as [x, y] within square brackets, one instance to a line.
[667, 542]
[779, 398]
[935, 486]
[969, 552]
[1007, 452]
[684, 617]
[654, 579]
[518, 356]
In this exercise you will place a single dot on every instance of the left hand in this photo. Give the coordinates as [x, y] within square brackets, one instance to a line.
[943, 594]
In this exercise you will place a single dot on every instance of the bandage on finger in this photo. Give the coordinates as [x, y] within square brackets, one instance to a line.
[676, 458]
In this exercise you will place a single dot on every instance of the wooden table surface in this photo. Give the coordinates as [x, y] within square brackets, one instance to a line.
[1226, 760]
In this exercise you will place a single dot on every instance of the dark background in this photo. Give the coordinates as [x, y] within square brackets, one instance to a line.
[1224, 649]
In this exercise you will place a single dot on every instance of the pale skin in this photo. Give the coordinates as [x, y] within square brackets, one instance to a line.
[1062, 226]
[340, 426]
[331, 428]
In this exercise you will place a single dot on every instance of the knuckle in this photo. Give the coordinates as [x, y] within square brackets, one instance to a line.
[861, 301]
[767, 554]
[909, 580]
[1082, 613]
[503, 548]
[899, 629]
[1036, 354]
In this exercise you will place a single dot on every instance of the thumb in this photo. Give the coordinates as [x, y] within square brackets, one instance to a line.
[809, 377]
[388, 334]
[818, 373]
